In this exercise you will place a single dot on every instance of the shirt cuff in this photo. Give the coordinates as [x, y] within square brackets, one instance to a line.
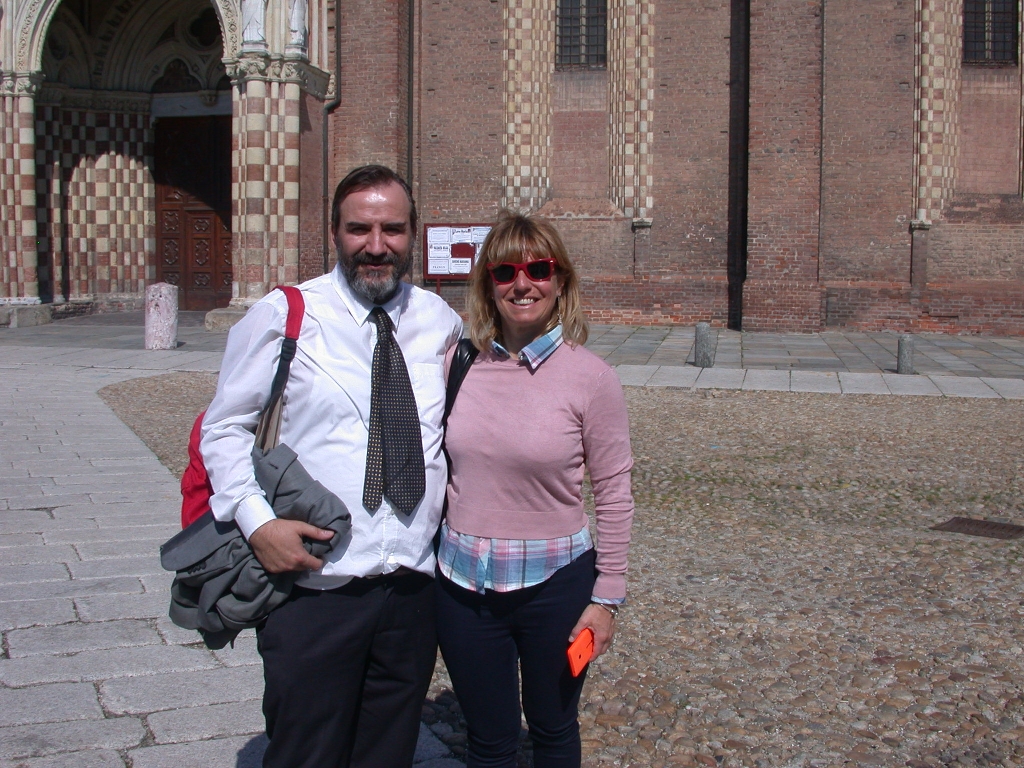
[610, 589]
[253, 511]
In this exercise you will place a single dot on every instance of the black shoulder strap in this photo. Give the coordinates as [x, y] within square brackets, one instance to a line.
[465, 354]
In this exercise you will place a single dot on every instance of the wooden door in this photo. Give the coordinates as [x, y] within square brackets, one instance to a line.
[193, 208]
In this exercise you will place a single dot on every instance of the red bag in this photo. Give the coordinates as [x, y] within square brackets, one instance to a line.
[195, 483]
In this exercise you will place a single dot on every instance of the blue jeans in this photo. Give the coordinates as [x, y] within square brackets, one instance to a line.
[488, 639]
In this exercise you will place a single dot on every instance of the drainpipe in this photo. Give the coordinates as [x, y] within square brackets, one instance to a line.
[329, 108]
[410, 61]
[739, 151]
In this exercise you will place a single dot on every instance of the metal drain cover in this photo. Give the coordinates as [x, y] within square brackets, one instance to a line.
[973, 527]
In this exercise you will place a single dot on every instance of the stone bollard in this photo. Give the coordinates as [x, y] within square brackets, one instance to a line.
[905, 354]
[162, 316]
[703, 346]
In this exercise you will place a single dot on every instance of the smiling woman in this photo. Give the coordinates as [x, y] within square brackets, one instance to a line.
[521, 576]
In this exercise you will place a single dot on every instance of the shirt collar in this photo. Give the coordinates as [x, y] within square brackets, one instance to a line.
[538, 350]
[360, 308]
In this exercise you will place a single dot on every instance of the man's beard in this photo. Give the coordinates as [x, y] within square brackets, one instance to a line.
[374, 290]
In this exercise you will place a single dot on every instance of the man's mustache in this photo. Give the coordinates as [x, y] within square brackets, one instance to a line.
[386, 258]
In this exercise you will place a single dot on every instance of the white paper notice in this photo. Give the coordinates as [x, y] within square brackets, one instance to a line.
[439, 235]
[453, 250]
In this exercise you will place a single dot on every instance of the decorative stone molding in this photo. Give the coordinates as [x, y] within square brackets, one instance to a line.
[20, 83]
[95, 101]
[279, 70]
[33, 22]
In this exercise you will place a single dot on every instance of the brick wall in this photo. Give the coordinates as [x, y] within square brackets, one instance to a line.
[990, 130]
[367, 126]
[311, 201]
[461, 114]
[868, 144]
[785, 166]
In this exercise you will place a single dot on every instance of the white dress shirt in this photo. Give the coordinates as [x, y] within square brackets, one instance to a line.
[326, 417]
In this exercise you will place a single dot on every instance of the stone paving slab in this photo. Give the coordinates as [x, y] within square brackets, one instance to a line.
[236, 752]
[720, 378]
[87, 758]
[1010, 389]
[862, 384]
[910, 385]
[34, 613]
[26, 555]
[208, 722]
[69, 638]
[154, 693]
[53, 738]
[96, 665]
[814, 381]
[766, 381]
[674, 376]
[49, 704]
[107, 607]
[954, 386]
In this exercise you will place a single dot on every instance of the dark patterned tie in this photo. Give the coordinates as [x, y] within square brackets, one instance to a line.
[394, 453]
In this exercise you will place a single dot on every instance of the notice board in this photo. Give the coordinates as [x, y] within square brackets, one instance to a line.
[451, 250]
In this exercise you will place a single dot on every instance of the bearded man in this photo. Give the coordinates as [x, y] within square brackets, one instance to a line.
[348, 658]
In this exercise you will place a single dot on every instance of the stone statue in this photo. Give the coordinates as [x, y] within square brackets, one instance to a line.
[298, 32]
[253, 34]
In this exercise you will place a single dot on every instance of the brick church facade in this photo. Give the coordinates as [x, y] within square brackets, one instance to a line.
[762, 164]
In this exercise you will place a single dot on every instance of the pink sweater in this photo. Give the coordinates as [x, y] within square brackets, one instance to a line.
[518, 442]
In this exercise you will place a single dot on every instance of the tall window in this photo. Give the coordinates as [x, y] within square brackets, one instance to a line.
[990, 31]
[582, 34]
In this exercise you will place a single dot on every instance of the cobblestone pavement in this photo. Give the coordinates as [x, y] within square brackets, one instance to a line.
[789, 604]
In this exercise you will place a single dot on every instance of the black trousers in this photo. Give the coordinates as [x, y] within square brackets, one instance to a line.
[346, 673]
[489, 640]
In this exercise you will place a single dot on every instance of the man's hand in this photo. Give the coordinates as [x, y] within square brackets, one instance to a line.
[278, 545]
[601, 622]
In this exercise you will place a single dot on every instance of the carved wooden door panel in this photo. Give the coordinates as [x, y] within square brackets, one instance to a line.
[193, 202]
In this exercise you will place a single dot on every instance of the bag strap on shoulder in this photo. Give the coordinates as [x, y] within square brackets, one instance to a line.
[292, 327]
[465, 354]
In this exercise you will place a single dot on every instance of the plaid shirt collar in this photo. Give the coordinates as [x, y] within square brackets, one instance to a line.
[538, 350]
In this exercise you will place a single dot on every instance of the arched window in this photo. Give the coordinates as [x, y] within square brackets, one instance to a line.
[582, 34]
[990, 32]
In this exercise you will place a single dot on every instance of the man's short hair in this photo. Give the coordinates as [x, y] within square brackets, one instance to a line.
[369, 177]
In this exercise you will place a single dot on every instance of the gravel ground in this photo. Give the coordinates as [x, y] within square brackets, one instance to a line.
[789, 605]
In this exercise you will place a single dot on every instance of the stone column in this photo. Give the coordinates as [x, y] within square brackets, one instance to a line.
[265, 177]
[19, 282]
[529, 53]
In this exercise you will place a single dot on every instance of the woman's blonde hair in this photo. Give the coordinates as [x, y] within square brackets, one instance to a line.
[516, 238]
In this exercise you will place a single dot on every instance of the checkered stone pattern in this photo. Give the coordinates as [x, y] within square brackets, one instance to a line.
[631, 86]
[93, 168]
[529, 65]
[17, 195]
[49, 195]
[940, 35]
[265, 187]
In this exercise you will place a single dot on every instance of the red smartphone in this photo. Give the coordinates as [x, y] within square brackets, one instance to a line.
[580, 651]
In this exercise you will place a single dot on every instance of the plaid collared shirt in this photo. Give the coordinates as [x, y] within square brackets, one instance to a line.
[504, 565]
[538, 350]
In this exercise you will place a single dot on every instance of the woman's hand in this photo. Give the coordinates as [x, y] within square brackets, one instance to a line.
[601, 623]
